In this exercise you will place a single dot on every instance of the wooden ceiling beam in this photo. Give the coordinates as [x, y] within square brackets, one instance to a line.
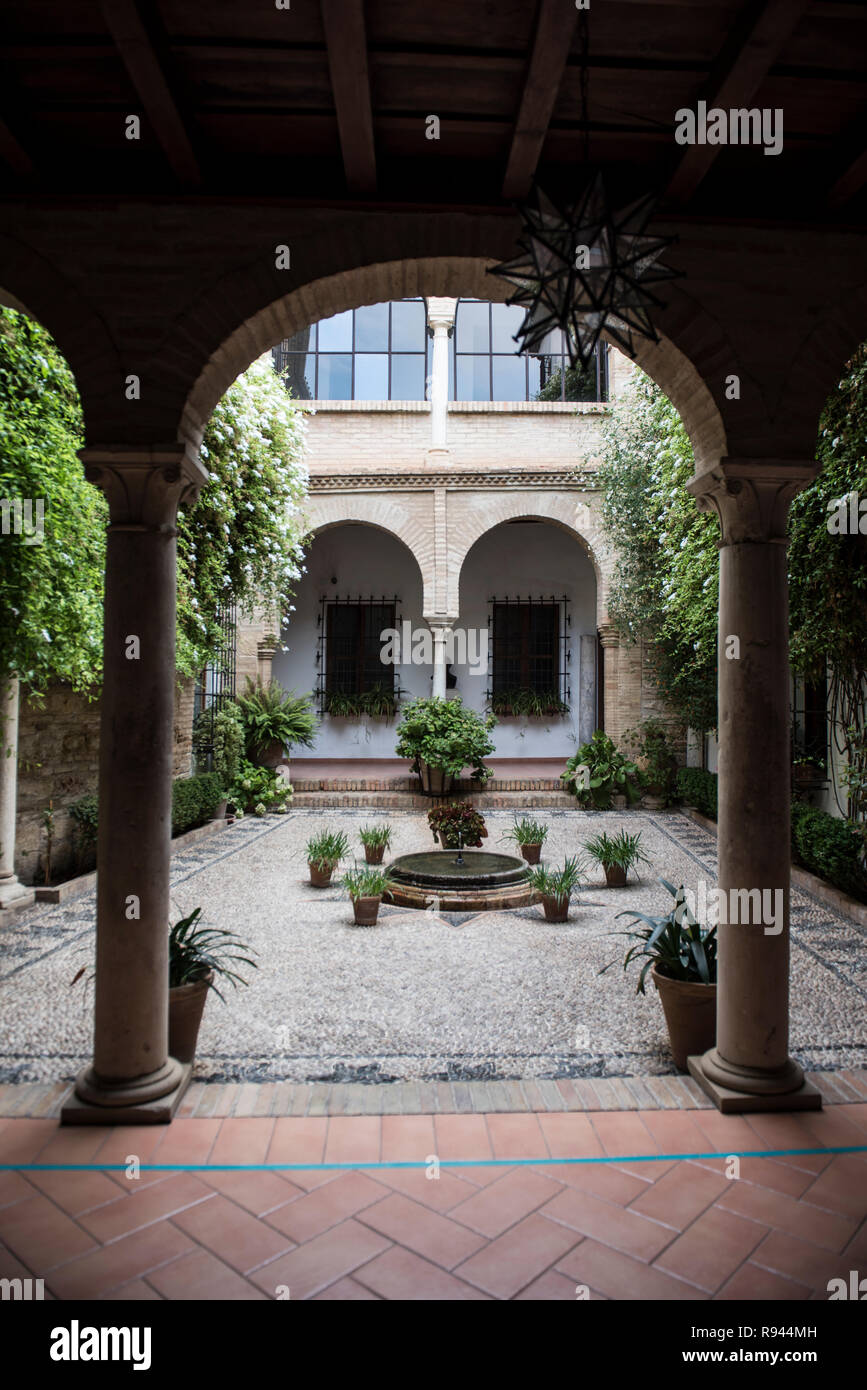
[346, 38]
[146, 74]
[552, 40]
[754, 45]
[853, 175]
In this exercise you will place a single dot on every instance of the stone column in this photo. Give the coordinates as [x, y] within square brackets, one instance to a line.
[440, 627]
[132, 1078]
[750, 1068]
[587, 688]
[265, 652]
[13, 895]
[440, 317]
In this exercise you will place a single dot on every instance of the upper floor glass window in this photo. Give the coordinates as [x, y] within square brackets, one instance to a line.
[486, 367]
[376, 353]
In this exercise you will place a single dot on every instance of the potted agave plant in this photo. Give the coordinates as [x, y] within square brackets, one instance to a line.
[556, 886]
[376, 840]
[366, 885]
[199, 955]
[324, 852]
[617, 854]
[681, 957]
[529, 835]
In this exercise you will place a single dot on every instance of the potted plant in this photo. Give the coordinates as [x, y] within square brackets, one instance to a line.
[376, 840]
[528, 704]
[274, 719]
[457, 824]
[324, 852]
[258, 790]
[199, 955]
[366, 885]
[598, 772]
[441, 738]
[617, 854]
[656, 761]
[681, 956]
[556, 886]
[529, 835]
[379, 701]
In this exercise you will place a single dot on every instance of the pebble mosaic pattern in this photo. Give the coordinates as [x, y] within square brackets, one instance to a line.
[454, 996]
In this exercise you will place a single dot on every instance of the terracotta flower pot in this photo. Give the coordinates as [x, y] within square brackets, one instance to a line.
[373, 853]
[556, 909]
[186, 1006]
[532, 853]
[615, 875]
[220, 810]
[320, 877]
[366, 910]
[690, 1016]
[271, 754]
[434, 781]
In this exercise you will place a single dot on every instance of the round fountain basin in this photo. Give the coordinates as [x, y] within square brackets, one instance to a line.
[484, 881]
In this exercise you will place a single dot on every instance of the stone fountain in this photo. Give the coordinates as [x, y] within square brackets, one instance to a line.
[462, 880]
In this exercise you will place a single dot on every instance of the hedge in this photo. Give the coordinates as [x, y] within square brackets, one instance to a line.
[194, 800]
[698, 788]
[829, 847]
[822, 843]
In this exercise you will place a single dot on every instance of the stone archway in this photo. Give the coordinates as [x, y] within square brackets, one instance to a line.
[407, 521]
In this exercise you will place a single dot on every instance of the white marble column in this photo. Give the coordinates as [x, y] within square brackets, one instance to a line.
[132, 1078]
[12, 893]
[441, 318]
[750, 1067]
[440, 627]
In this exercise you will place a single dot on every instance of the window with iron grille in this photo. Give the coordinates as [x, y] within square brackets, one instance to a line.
[528, 657]
[216, 684]
[354, 680]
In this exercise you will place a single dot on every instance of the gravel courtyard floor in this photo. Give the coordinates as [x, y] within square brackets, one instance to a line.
[454, 996]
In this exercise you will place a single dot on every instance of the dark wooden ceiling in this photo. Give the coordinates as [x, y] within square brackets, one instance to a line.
[328, 99]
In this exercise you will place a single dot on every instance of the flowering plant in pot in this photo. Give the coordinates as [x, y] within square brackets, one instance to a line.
[457, 824]
[258, 790]
[376, 840]
[366, 885]
[199, 955]
[274, 719]
[529, 835]
[681, 957]
[442, 738]
[556, 886]
[324, 852]
[617, 854]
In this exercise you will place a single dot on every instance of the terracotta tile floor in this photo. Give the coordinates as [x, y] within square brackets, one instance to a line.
[673, 1228]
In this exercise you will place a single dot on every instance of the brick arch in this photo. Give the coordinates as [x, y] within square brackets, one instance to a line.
[690, 351]
[820, 360]
[34, 286]
[567, 513]
[403, 522]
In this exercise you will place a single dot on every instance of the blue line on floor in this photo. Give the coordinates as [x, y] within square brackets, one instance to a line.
[416, 1163]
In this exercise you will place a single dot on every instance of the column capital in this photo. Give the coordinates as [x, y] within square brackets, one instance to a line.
[441, 314]
[145, 485]
[751, 497]
[609, 635]
[440, 622]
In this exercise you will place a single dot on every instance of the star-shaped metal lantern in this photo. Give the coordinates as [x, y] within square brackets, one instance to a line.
[586, 271]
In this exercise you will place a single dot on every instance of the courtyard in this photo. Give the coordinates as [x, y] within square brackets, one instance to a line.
[422, 996]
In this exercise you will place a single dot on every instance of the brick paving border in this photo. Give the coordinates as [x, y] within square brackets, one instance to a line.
[278, 1098]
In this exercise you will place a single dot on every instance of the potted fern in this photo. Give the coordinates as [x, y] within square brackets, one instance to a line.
[617, 854]
[366, 885]
[529, 835]
[199, 955]
[275, 719]
[324, 852]
[376, 840]
[556, 886]
[681, 957]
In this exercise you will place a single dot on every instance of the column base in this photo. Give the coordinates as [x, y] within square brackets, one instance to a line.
[147, 1100]
[770, 1091]
[14, 896]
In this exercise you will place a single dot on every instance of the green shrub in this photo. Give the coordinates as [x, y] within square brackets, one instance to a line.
[258, 789]
[85, 821]
[194, 800]
[698, 788]
[652, 751]
[271, 714]
[445, 735]
[829, 847]
[597, 773]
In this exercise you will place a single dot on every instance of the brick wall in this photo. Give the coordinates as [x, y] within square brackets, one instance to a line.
[58, 760]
